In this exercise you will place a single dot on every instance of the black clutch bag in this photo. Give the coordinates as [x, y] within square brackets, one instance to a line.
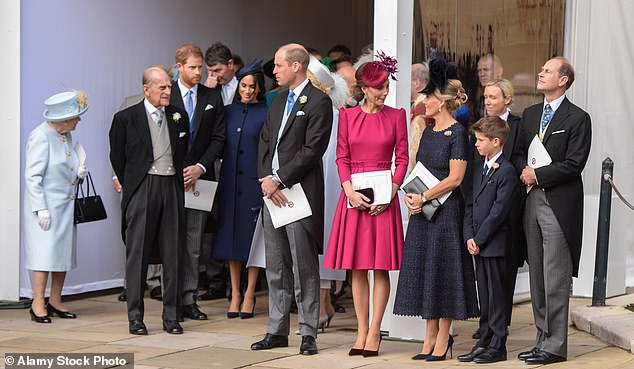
[416, 185]
[88, 208]
[367, 192]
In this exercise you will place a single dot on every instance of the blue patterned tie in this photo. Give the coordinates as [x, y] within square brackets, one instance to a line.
[290, 100]
[546, 116]
[485, 170]
[189, 107]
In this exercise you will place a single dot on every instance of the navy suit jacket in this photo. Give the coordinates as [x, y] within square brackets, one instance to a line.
[488, 208]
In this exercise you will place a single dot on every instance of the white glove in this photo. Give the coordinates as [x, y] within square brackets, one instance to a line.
[82, 172]
[44, 219]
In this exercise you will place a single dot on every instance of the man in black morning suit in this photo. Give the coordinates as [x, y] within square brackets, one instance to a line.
[553, 213]
[487, 231]
[292, 143]
[148, 143]
[207, 132]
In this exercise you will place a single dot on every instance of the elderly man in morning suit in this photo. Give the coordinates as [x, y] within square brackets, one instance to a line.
[553, 213]
[292, 143]
[148, 143]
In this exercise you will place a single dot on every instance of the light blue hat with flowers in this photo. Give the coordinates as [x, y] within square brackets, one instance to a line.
[65, 105]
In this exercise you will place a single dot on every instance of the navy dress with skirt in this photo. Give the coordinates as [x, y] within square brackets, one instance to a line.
[437, 277]
[239, 192]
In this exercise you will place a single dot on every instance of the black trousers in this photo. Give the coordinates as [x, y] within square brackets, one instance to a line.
[153, 219]
[490, 273]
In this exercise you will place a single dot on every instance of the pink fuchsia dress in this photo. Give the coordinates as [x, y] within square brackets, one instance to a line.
[366, 142]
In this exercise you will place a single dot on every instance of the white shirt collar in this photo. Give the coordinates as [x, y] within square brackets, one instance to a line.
[229, 90]
[298, 90]
[505, 116]
[554, 105]
[151, 108]
[489, 163]
[184, 90]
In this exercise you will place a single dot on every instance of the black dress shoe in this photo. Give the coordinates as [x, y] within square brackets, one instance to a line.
[270, 341]
[156, 293]
[212, 295]
[123, 296]
[308, 346]
[544, 358]
[192, 312]
[491, 355]
[526, 354]
[39, 319]
[476, 335]
[137, 327]
[475, 351]
[172, 327]
[50, 309]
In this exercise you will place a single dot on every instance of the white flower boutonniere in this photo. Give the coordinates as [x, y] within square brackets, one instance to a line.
[303, 99]
[495, 166]
[176, 117]
[448, 133]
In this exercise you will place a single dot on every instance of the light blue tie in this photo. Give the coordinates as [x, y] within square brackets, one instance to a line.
[290, 100]
[189, 107]
[546, 116]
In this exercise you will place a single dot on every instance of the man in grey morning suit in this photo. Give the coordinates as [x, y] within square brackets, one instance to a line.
[207, 137]
[553, 213]
[292, 143]
[148, 142]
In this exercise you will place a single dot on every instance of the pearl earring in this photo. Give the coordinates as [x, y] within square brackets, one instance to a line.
[440, 108]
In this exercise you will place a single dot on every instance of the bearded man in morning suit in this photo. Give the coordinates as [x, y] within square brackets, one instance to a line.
[207, 137]
[553, 213]
[292, 143]
[148, 143]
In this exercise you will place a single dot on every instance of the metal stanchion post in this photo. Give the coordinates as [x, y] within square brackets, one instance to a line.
[603, 235]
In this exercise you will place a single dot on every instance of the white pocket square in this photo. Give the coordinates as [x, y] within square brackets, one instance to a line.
[209, 107]
[560, 131]
[300, 113]
[181, 134]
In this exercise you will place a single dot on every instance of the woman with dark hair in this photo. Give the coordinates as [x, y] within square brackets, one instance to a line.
[239, 190]
[436, 281]
[365, 236]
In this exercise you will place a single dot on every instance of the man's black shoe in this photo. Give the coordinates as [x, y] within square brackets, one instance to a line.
[212, 295]
[156, 293]
[544, 358]
[123, 296]
[475, 351]
[270, 341]
[137, 327]
[491, 355]
[192, 312]
[308, 346]
[526, 354]
[172, 327]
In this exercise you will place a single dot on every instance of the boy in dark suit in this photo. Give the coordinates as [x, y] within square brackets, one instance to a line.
[488, 233]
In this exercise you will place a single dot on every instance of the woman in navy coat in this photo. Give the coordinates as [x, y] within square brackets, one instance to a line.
[239, 190]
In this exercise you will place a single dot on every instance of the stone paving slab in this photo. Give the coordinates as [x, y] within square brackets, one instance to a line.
[211, 357]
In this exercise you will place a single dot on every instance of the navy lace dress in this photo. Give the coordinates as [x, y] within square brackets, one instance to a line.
[437, 278]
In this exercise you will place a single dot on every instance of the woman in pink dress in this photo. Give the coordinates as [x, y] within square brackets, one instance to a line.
[369, 236]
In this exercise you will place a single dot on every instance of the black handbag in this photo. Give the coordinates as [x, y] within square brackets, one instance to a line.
[88, 208]
[416, 185]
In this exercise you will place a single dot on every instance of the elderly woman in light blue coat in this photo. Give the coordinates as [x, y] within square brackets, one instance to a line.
[51, 174]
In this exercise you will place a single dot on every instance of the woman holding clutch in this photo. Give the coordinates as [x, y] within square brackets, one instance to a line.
[52, 169]
[436, 281]
[369, 236]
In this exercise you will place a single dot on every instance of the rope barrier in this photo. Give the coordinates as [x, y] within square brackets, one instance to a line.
[608, 178]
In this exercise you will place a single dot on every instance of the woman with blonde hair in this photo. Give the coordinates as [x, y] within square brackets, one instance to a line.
[436, 281]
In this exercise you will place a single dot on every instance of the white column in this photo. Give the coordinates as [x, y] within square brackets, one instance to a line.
[393, 25]
[10, 151]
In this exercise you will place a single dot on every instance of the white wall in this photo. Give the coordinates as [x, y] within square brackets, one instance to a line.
[10, 151]
[602, 50]
[103, 47]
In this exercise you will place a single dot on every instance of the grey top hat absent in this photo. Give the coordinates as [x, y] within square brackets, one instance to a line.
[65, 105]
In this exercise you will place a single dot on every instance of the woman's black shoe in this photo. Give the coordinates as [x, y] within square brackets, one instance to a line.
[39, 319]
[244, 315]
[62, 314]
[444, 356]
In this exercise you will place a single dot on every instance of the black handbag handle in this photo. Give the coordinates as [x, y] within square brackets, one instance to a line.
[89, 183]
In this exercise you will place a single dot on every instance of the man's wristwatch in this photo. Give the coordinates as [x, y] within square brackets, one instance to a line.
[276, 180]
